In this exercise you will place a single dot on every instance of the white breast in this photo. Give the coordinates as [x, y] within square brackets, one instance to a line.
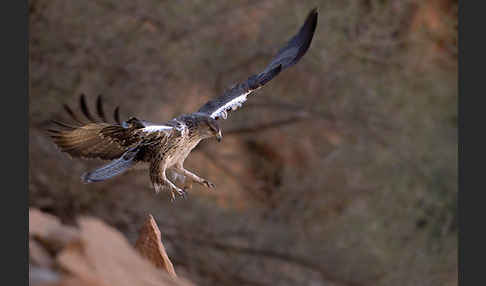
[185, 146]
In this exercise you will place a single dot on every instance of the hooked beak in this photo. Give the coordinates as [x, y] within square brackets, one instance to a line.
[219, 136]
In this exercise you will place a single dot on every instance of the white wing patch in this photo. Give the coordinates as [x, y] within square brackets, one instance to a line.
[233, 104]
[156, 128]
[182, 127]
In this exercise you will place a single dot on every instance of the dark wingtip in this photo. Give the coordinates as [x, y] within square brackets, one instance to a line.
[84, 108]
[312, 17]
[266, 77]
[305, 35]
[301, 41]
[99, 108]
[310, 25]
[116, 115]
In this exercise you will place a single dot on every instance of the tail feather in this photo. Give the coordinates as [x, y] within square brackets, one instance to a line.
[116, 167]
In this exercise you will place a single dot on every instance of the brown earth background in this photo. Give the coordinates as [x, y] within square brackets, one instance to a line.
[341, 171]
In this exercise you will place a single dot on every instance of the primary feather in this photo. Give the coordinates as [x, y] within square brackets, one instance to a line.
[287, 56]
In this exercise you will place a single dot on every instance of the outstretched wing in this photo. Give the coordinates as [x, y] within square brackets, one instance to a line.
[286, 57]
[98, 138]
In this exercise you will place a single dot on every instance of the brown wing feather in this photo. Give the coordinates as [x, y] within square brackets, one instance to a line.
[95, 140]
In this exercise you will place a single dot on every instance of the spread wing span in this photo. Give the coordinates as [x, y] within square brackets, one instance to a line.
[90, 137]
[287, 56]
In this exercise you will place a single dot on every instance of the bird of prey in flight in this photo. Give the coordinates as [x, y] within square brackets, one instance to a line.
[166, 145]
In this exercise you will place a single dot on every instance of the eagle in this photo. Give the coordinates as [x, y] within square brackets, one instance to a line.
[165, 146]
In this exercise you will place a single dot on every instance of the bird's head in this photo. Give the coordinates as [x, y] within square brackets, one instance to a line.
[210, 128]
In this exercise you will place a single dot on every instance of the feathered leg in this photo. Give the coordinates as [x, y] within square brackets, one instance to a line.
[179, 167]
[159, 178]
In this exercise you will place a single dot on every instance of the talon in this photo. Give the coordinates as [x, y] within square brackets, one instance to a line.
[184, 196]
[181, 193]
[209, 184]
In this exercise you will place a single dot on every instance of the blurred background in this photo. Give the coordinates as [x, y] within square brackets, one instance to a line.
[341, 171]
